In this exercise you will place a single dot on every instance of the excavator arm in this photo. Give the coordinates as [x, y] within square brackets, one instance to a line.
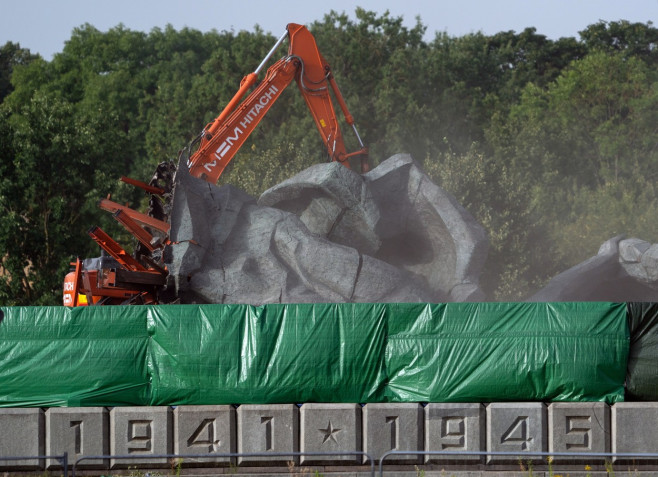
[221, 139]
[119, 278]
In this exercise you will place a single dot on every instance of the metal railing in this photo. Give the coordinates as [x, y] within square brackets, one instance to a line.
[63, 459]
[520, 455]
[226, 454]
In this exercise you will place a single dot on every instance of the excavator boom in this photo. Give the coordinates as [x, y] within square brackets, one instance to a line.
[222, 138]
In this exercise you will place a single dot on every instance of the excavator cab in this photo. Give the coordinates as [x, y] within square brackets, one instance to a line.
[104, 281]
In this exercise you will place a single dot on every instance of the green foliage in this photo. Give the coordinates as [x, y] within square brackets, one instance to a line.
[52, 170]
[257, 169]
[623, 207]
[586, 144]
[378, 63]
[550, 144]
[11, 54]
[639, 40]
[499, 198]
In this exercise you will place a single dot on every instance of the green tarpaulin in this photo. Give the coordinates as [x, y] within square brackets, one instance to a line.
[56, 356]
[239, 354]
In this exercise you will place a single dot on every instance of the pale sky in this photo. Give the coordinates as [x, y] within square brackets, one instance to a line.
[44, 25]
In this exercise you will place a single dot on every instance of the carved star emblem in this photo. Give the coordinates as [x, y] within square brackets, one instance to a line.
[330, 433]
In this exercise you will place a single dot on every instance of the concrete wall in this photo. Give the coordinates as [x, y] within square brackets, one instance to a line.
[372, 428]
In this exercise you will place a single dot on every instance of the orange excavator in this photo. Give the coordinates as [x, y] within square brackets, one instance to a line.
[118, 277]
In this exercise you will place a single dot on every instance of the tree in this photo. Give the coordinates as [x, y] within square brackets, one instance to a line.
[639, 40]
[11, 54]
[52, 172]
[586, 140]
[474, 77]
[595, 122]
[377, 63]
[537, 138]
[499, 198]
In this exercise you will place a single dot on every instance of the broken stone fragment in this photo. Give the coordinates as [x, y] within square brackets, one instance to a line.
[622, 271]
[650, 263]
[631, 250]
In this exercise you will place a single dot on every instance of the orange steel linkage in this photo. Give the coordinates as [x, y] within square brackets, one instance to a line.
[222, 138]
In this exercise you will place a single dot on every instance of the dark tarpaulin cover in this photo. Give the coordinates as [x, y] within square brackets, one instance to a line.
[642, 379]
[242, 354]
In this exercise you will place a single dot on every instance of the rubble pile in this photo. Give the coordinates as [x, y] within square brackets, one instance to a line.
[326, 235]
[331, 235]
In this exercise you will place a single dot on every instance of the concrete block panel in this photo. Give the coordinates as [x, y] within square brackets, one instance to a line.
[205, 430]
[634, 427]
[79, 431]
[22, 434]
[268, 428]
[140, 431]
[330, 428]
[516, 427]
[454, 427]
[388, 427]
[578, 427]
